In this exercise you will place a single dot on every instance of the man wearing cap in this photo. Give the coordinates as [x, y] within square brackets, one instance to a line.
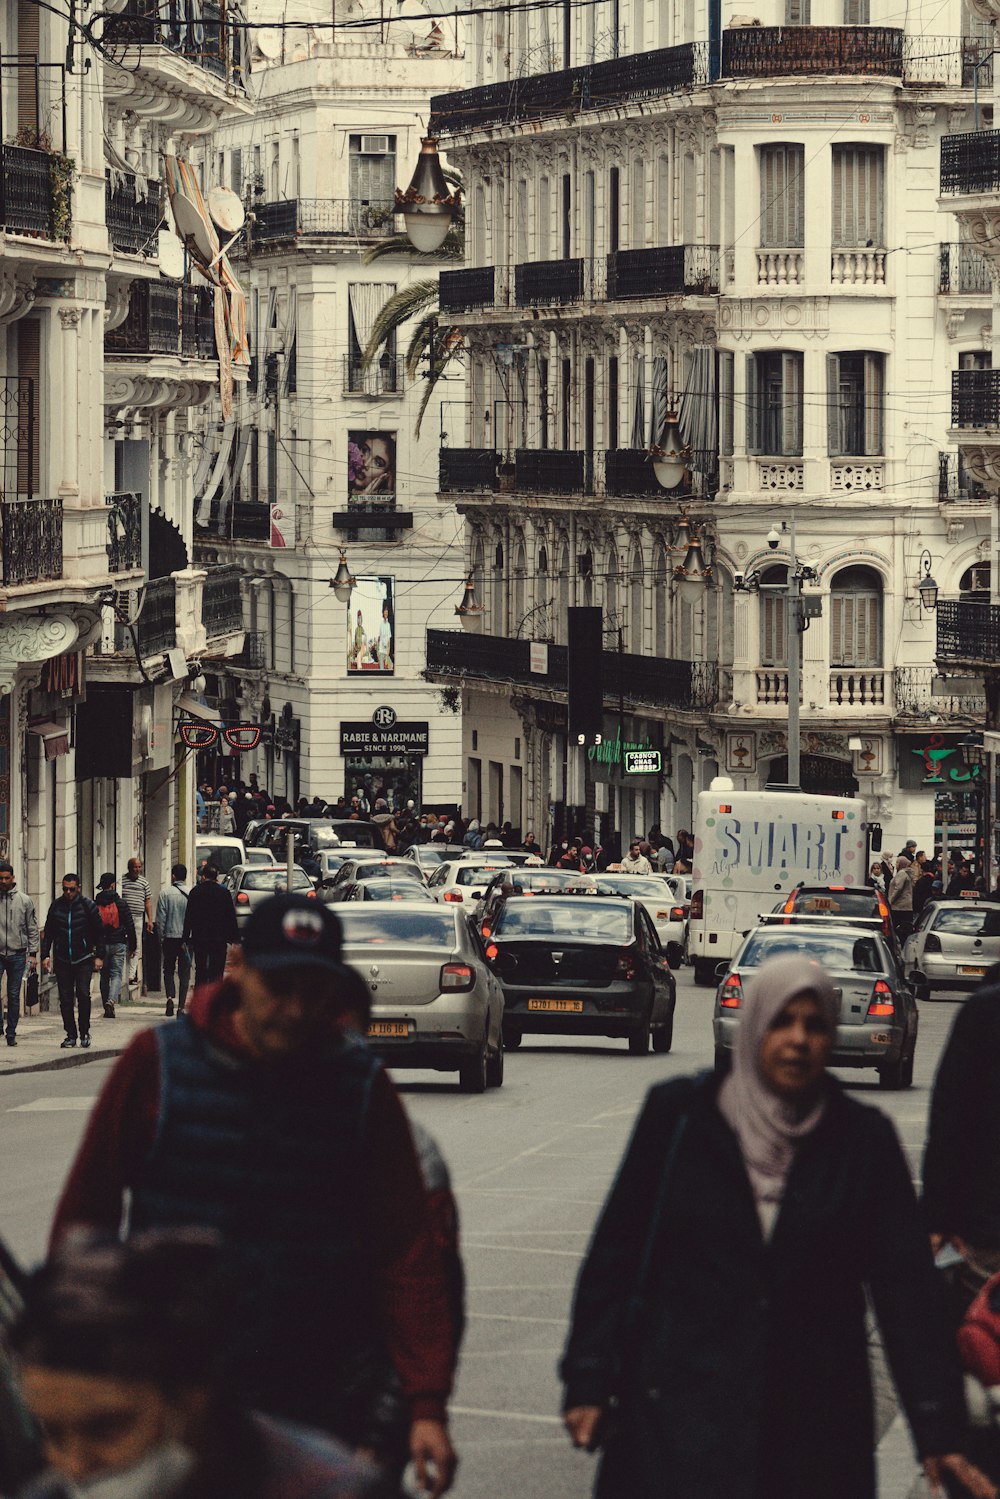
[261, 1115]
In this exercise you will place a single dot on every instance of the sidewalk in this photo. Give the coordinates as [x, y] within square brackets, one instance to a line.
[39, 1036]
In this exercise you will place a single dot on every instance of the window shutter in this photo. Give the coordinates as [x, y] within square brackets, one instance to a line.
[797, 12]
[858, 195]
[874, 403]
[835, 436]
[773, 641]
[837, 602]
[544, 219]
[726, 363]
[753, 406]
[839, 170]
[782, 196]
[791, 404]
[26, 425]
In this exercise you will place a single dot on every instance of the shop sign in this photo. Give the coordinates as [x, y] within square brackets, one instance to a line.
[933, 761]
[373, 739]
[643, 762]
[538, 658]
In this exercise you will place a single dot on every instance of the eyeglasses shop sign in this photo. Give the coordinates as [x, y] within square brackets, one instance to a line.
[369, 739]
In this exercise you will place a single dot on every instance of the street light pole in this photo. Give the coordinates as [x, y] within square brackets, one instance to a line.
[794, 657]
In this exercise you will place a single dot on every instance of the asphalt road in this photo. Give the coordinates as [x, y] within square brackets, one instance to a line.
[530, 1166]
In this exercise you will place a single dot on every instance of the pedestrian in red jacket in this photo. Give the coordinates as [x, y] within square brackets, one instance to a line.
[260, 1116]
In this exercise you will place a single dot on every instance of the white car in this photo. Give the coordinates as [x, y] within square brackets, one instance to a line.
[465, 880]
[224, 853]
[664, 899]
[259, 856]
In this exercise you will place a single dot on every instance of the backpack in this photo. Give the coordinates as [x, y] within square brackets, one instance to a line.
[979, 1335]
[110, 915]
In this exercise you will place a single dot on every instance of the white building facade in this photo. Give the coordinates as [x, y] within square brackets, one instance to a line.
[732, 219]
[324, 455]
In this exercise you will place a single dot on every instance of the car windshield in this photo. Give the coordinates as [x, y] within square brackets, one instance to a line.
[475, 874]
[977, 921]
[380, 870]
[395, 890]
[835, 903]
[641, 886]
[223, 856]
[589, 919]
[375, 927]
[839, 952]
[274, 879]
[540, 880]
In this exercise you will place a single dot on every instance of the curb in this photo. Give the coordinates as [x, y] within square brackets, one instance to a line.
[899, 1474]
[57, 1063]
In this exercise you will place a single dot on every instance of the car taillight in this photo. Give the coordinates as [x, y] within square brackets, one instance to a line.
[486, 931]
[310, 895]
[492, 951]
[676, 913]
[626, 966]
[697, 905]
[883, 911]
[932, 943]
[453, 895]
[732, 993]
[457, 976]
[243, 899]
[882, 1002]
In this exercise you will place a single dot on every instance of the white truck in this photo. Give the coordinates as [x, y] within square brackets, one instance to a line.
[753, 847]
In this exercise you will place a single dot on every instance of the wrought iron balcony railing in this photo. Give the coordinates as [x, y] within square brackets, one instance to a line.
[208, 39]
[166, 319]
[629, 471]
[132, 220]
[618, 80]
[968, 632]
[956, 485]
[156, 629]
[249, 520]
[794, 51]
[17, 442]
[947, 62]
[124, 531]
[466, 290]
[386, 377]
[222, 601]
[31, 536]
[970, 163]
[27, 201]
[914, 696]
[468, 469]
[662, 682]
[964, 271]
[668, 271]
[975, 398]
[253, 656]
[548, 283]
[354, 218]
[549, 470]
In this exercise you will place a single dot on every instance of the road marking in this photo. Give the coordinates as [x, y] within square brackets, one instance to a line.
[469, 1410]
[53, 1105]
[501, 1317]
[563, 1254]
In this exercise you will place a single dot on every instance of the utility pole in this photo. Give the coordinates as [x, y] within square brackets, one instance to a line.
[795, 626]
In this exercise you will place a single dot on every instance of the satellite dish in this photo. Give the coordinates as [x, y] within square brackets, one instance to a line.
[192, 227]
[170, 254]
[268, 43]
[228, 213]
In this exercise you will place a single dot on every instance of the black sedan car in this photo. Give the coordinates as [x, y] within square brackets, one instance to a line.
[582, 966]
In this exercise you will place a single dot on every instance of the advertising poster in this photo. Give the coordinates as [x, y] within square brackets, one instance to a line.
[371, 627]
[371, 464]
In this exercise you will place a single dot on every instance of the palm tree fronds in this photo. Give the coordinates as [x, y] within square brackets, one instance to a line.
[421, 343]
[405, 304]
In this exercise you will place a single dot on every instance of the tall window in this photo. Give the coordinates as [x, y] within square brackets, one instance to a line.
[856, 618]
[858, 194]
[660, 600]
[543, 229]
[638, 204]
[726, 364]
[614, 208]
[856, 395]
[773, 619]
[782, 196]
[774, 403]
[521, 225]
[372, 170]
[797, 12]
[566, 382]
[636, 604]
[612, 401]
[543, 402]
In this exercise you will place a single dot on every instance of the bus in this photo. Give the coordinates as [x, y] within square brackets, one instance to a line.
[753, 847]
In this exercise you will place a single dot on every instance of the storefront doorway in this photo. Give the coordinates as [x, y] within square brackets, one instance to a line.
[399, 778]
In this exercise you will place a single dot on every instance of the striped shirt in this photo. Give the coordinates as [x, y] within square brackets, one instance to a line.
[135, 893]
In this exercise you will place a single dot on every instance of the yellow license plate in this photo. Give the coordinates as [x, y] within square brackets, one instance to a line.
[398, 1028]
[562, 1006]
[971, 969]
[663, 915]
[881, 1038]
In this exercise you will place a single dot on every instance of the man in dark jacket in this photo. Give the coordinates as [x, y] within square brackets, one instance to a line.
[18, 943]
[259, 1115]
[74, 935]
[210, 926]
[961, 1175]
[119, 939]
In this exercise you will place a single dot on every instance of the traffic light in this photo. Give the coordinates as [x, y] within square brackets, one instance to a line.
[585, 675]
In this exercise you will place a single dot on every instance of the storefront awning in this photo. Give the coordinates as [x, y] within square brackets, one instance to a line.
[190, 706]
[55, 737]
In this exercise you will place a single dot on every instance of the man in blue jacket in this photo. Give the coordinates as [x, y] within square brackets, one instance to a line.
[74, 936]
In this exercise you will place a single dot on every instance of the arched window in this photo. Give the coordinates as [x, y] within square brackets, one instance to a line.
[562, 595]
[497, 590]
[636, 605]
[661, 600]
[611, 618]
[974, 584]
[518, 607]
[773, 620]
[856, 618]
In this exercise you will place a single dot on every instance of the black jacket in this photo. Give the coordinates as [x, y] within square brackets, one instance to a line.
[126, 926]
[747, 1374]
[962, 1155]
[73, 931]
[211, 916]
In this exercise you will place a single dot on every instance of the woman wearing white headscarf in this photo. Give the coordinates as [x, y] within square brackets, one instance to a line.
[718, 1346]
